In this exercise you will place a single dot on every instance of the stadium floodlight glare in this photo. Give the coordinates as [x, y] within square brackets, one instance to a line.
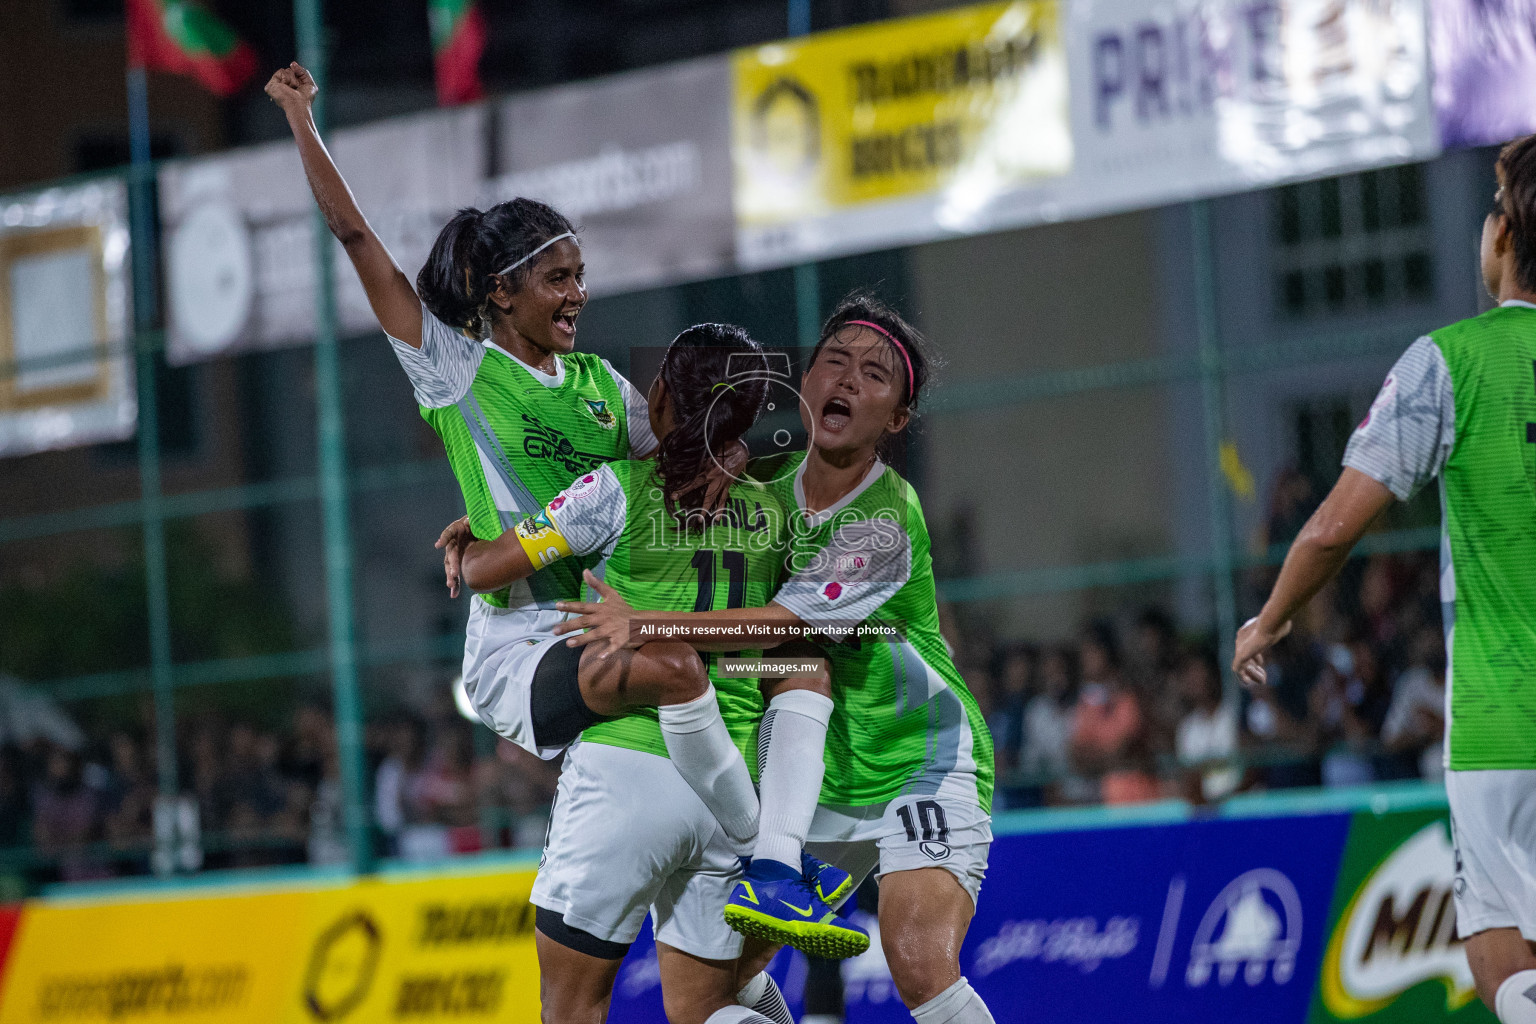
[461, 699]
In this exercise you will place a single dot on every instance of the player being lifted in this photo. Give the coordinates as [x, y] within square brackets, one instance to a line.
[1461, 405]
[488, 345]
[627, 833]
[899, 755]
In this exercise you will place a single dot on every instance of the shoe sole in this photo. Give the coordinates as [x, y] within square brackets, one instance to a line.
[821, 940]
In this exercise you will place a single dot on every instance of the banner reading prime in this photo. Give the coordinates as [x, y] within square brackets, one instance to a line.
[66, 372]
[1172, 101]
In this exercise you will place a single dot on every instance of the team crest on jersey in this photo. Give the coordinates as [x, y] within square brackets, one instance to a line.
[852, 567]
[599, 411]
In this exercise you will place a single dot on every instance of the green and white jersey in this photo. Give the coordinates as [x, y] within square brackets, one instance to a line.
[617, 512]
[1461, 403]
[904, 723]
[516, 435]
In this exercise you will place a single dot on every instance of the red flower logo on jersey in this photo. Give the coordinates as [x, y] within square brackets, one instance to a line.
[554, 506]
[832, 591]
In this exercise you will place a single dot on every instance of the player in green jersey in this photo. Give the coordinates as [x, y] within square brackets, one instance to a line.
[905, 778]
[1461, 405]
[627, 834]
[488, 345]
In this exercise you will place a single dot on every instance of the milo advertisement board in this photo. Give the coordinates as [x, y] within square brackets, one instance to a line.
[1392, 953]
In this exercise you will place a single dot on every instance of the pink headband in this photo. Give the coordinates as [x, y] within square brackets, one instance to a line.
[899, 348]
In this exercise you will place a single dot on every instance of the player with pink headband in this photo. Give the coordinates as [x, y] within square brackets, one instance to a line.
[890, 769]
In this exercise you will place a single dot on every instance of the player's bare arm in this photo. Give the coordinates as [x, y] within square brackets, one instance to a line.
[486, 565]
[1315, 558]
[389, 291]
[611, 621]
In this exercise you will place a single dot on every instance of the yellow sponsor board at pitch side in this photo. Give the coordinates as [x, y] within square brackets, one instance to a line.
[441, 948]
[961, 105]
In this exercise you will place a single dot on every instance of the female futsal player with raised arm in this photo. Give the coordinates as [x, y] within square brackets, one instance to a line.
[488, 344]
[627, 834]
[908, 767]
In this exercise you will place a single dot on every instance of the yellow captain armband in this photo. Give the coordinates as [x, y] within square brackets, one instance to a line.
[541, 541]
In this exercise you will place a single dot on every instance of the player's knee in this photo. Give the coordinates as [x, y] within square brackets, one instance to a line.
[678, 671]
[917, 974]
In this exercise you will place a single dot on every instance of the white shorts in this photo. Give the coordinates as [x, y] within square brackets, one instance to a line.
[500, 657]
[628, 835]
[1493, 828]
[944, 830]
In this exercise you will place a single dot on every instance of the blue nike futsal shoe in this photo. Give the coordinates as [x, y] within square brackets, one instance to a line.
[775, 904]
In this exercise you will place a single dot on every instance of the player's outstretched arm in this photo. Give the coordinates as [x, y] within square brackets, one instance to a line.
[614, 625]
[1316, 557]
[389, 291]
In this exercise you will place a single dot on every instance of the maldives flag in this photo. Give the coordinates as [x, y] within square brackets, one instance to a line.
[180, 37]
[458, 39]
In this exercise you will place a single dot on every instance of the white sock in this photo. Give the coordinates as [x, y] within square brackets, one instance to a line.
[958, 1004]
[762, 994]
[1516, 1001]
[701, 749]
[736, 1015]
[790, 768]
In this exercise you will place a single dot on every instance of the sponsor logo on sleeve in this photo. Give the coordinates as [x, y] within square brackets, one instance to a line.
[832, 591]
[583, 487]
[1388, 391]
[852, 567]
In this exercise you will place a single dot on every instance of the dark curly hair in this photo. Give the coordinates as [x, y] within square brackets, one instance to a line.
[1517, 178]
[460, 273]
[861, 305]
[716, 378]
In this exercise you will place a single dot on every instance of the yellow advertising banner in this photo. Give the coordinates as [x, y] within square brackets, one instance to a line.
[437, 948]
[443, 948]
[230, 958]
[960, 105]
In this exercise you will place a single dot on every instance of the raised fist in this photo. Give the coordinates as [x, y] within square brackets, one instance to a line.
[292, 88]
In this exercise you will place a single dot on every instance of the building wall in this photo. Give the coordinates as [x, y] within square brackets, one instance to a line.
[1081, 478]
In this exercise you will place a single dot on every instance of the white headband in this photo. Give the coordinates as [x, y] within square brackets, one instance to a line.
[513, 266]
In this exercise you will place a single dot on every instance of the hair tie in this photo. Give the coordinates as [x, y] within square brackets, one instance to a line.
[513, 266]
[911, 380]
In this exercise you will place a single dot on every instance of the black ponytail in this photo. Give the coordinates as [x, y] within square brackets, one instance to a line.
[717, 381]
[460, 273]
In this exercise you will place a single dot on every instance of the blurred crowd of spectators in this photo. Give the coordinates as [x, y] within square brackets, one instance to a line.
[1134, 710]
[257, 798]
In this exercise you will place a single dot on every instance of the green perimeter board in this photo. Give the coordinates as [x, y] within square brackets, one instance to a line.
[1391, 953]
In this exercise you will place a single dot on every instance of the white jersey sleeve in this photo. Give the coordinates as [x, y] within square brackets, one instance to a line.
[1411, 428]
[590, 513]
[637, 413]
[862, 567]
[443, 369]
